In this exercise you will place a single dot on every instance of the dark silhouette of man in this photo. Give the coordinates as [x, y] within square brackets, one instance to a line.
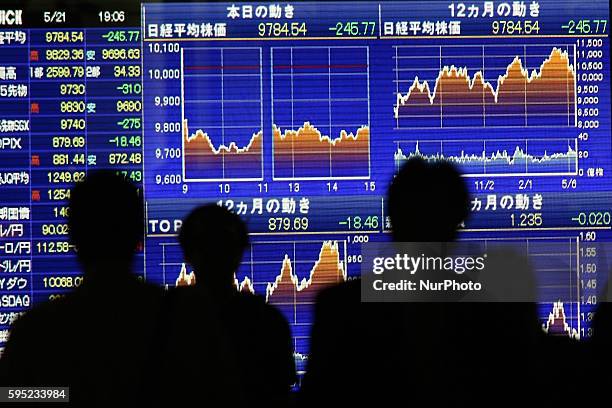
[380, 353]
[397, 354]
[426, 202]
[97, 338]
[258, 352]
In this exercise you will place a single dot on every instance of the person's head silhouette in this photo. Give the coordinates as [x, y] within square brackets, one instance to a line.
[427, 202]
[213, 241]
[106, 223]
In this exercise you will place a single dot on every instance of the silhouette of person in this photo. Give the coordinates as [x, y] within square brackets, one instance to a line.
[95, 339]
[433, 354]
[426, 202]
[258, 351]
[375, 353]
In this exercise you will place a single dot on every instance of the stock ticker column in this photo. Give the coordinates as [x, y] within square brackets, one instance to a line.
[71, 103]
[15, 176]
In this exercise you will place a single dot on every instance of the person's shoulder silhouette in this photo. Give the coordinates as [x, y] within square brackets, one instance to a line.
[95, 339]
[258, 340]
[383, 353]
[367, 340]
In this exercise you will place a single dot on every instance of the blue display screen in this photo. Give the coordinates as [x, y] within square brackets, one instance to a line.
[296, 116]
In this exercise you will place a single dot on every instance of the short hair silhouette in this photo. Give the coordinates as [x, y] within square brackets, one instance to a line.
[106, 219]
[427, 201]
[63, 342]
[213, 241]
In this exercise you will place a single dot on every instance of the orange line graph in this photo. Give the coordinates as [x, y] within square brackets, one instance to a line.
[203, 161]
[308, 136]
[308, 152]
[557, 322]
[184, 278]
[203, 144]
[552, 83]
[328, 269]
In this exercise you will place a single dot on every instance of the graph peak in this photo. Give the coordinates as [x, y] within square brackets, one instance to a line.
[327, 269]
[458, 93]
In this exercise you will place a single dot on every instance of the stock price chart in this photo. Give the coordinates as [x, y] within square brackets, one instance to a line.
[296, 116]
